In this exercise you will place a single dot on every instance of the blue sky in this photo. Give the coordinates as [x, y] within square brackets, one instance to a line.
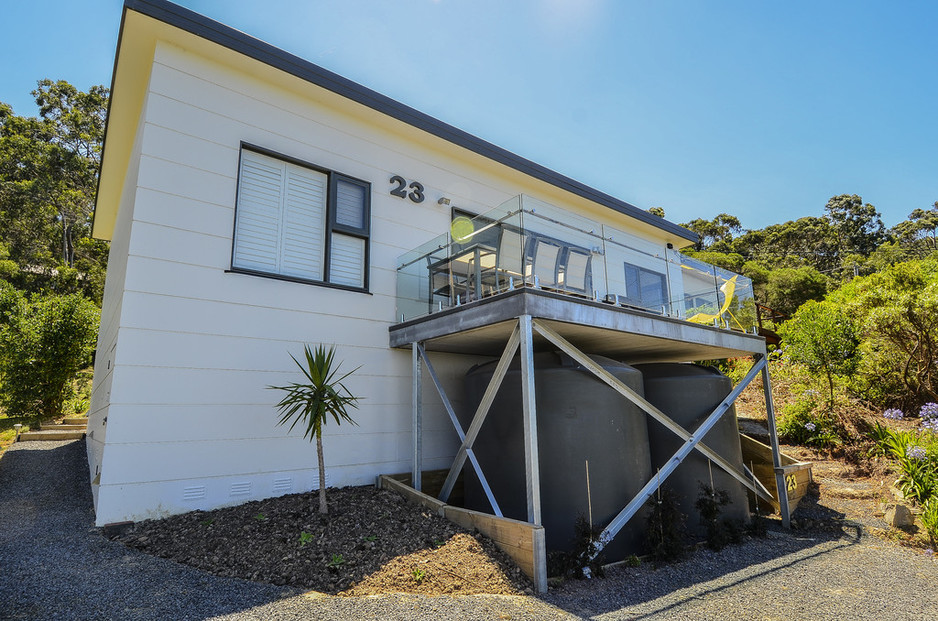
[762, 110]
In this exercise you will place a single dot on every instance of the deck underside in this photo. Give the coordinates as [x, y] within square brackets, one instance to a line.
[629, 335]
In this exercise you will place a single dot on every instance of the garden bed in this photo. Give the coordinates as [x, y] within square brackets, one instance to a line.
[373, 541]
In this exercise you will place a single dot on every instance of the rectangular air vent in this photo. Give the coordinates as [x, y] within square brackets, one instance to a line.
[240, 489]
[196, 492]
[283, 486]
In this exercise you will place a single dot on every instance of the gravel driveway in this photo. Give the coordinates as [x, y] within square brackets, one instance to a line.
[55, 565]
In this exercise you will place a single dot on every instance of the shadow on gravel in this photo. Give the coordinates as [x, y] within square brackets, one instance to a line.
[763, 558]
[55, 564]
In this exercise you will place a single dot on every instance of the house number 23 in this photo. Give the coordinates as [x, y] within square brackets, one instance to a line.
[401, 187]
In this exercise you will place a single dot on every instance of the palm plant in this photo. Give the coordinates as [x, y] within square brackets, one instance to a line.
[322, 395]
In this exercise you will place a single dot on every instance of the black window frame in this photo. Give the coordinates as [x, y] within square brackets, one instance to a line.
[640, 300]
[331, 225]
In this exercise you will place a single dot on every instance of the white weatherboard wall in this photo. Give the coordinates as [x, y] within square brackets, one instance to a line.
[104, 363]
[187, 349]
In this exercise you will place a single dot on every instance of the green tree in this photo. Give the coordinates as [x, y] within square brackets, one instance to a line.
[790, 287]
[312, 402]
[823, 339]
[43, 345]
[889, 253]
[919, 234]
[719, 230]
[12, 303]
[859, 227]
[897, 314]
[9, 270]
[807, 241]
[759, 275]
[48, 177]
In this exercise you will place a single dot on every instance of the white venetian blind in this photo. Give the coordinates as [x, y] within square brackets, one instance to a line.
[348, 260]
[281, 217]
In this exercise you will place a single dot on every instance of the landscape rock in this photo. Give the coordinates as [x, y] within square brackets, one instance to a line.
[899, 516]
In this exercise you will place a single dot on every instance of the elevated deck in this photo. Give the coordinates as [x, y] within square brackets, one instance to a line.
[630, 335]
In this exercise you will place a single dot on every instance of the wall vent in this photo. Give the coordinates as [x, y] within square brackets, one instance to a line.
[240, 489]
[283, 486]
[196, 492]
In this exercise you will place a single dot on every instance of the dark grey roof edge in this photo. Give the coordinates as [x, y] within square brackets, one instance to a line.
[233, 39]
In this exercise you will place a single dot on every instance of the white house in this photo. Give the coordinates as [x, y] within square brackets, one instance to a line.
[256, 202]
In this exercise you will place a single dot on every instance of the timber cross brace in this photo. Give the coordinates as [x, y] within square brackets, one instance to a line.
[522, 338]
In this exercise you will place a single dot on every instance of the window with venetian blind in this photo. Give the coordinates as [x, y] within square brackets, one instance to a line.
[300, 222]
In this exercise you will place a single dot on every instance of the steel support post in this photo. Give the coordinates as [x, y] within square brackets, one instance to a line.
[462, 436]
[417, 416]
[529, 412]
[783, 507]
[532, 467]
[490, 391]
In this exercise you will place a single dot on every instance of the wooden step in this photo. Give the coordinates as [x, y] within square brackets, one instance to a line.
[75, 420]
[63, 427]
[27, 436]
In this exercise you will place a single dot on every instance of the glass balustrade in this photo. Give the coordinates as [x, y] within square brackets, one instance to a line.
[529, 243]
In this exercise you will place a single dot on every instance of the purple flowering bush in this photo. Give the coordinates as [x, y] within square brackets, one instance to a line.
[929, 411]
[893, 414]
[917, 456]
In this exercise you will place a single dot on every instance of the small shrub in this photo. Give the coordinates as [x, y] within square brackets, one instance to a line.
[666, 533]
[758, 526]
[43, 346]
[710, 503]
[917, 457]
[802, 423]
[880, 435]
[12, 302]
[584, 559]
[918, 479]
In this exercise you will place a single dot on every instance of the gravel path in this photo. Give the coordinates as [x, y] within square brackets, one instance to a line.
[55, 565]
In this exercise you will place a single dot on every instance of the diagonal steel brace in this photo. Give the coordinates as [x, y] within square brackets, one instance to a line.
[636, 503]
[462, 436]
[500, 369]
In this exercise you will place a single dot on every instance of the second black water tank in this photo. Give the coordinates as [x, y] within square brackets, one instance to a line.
[688, 393]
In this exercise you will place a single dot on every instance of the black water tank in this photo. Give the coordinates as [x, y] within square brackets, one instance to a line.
[688, 393]
[579, 418]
